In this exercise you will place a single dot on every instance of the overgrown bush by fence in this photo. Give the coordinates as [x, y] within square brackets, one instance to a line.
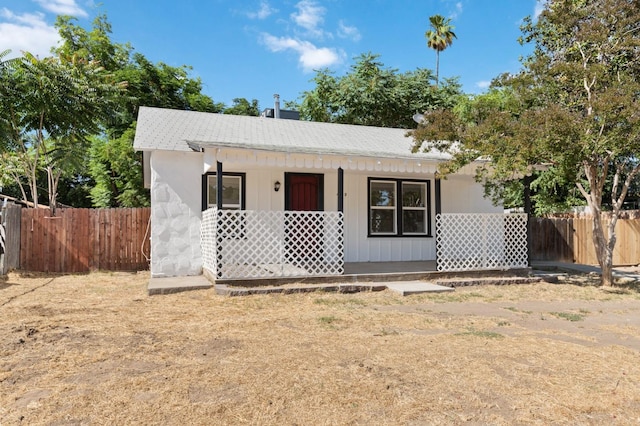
[81, 240]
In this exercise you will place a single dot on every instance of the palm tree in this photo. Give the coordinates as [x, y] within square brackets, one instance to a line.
[440, 37]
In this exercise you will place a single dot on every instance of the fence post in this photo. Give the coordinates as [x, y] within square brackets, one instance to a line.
[10, 218]
[2, 239]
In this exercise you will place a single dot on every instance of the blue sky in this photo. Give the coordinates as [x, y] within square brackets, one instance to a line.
[255, 48]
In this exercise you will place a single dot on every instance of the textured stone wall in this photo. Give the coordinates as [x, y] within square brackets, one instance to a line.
[176, 202]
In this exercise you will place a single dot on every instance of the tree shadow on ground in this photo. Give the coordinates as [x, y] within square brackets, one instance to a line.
[624, 287]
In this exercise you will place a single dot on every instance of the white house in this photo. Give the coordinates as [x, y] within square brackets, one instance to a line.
[362, 195]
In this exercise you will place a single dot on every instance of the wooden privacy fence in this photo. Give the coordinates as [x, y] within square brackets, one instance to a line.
[81, 240]
[571, 240]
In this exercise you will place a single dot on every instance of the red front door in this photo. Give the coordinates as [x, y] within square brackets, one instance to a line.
[303, 192]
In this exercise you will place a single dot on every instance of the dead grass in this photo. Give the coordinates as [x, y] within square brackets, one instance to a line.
[94, 349]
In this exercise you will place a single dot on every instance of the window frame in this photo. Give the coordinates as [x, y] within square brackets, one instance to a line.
[399, 208]
[393, 208]
[205, 189]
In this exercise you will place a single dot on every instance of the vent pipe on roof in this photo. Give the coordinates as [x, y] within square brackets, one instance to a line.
[276, 111]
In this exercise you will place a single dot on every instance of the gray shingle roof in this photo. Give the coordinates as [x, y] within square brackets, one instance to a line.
[173, 130]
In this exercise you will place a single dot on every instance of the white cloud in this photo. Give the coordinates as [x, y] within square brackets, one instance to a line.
[310, 56]
[454, 7]
[263, 12]
[457, 11]
[309, 17]
[483, 84]
[346, 31]
[27, 32]
[63, 7]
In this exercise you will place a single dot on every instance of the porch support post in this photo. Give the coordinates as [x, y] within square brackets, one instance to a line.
[219, 185]
[436, 184]
[527, 209]
[438, 194]
[340, 189]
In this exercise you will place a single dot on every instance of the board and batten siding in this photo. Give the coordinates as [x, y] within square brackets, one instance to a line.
[261, 196]
[361, 248]
[462, 194]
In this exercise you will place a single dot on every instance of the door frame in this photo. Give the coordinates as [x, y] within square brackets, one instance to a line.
[287, 191]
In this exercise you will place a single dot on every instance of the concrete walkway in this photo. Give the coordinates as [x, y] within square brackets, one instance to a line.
[177, 284]
[407, 288]
[402, 287]
[414, 283]
[167, 285]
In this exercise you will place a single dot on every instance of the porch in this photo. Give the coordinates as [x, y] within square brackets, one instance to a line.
[309, 246]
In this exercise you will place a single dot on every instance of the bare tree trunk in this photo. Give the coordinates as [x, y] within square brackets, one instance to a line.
[54, 180]
[607, 269]
[16, 178]
[51, 190]
[33, 183]
[30, 171]
[604, 243]
[22, 191]
[604, 247]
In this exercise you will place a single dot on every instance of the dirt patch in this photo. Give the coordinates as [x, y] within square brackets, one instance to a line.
[94, 349]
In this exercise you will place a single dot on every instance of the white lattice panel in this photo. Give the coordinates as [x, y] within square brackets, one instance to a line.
[467, 242]
[208, 239]
[258, 244]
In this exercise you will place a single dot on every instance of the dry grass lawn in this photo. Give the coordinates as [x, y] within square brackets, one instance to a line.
[95, 349]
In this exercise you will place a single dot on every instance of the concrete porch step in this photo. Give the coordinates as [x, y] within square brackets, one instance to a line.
[227, 290]
[465, 282]
[368, 278]
[404, 284]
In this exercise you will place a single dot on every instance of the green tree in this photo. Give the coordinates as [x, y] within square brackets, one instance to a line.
[321, 103]
[241, 106]
[118, 174]
[439, 37]
[573, 107]
[373, 95]
[114, 165]
[55, 104]
[12, 165]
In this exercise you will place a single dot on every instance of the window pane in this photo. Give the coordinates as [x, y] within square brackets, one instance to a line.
[382, 221]
[231, 186]
[413, 194]
[383, 193]
[413, 222]
[230, 190]
[211, 188]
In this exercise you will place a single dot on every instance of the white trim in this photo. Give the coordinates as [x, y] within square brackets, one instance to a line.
[260, 158]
